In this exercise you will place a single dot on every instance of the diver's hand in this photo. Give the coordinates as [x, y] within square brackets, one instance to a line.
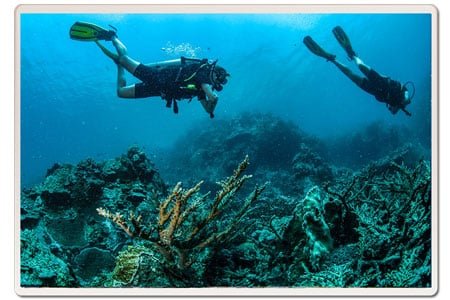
[393, 109]
[213, 98]
[209, 105]
[406, 112]
[210, 101]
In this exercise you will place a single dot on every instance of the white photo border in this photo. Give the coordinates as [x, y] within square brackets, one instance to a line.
[236, 9]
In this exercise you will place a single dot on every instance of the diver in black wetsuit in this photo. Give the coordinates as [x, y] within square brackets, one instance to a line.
[173, 80]
[386, 90]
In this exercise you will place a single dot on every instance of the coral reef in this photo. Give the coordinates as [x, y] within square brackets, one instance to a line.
[389, 207]
[60, 213]
[40, 265]
[308, 165]
[117, 224]
[212, 150]
[92, 264]
[187, 225]
[319, 242]
[368, 229]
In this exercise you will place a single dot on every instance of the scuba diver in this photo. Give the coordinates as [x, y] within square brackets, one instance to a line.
[386, 90]
[172, 80]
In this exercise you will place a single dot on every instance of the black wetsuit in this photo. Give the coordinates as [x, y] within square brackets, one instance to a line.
[383, 88]
[174, 81]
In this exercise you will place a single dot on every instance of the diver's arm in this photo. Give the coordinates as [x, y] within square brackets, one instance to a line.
[210, 95]
[210, 101]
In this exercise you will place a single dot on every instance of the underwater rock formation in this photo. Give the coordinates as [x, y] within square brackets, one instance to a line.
[374, 142]
[42, 263]
[60, 213]
[92, 263]
[308, 165]
[213, 150]
[314, 225]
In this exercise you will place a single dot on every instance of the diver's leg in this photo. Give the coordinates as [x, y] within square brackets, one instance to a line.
[353, 77]
[123, 59]
[365, 69]
[124, 91]
[120, 47]
[316, 49]
[344, 41]
[124, 62]
[108, 53]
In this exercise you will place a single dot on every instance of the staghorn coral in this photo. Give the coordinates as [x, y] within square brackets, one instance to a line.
[392, 203]
[187, 224]
[413, 269]
[395, 213]
[334, 276]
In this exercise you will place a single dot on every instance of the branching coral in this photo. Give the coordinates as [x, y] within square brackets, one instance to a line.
[186, 223]
[393, 206]
[335, 276]
[383, 213]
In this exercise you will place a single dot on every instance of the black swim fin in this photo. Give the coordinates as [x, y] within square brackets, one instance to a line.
[316, 49]
[344, 41]
[82, 31]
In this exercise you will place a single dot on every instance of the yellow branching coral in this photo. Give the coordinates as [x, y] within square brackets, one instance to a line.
[117, 218]
[184, 219]
[169, 221]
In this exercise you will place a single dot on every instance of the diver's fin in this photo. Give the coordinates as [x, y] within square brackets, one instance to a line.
[344, 41]
[316, 49]
[82, 31]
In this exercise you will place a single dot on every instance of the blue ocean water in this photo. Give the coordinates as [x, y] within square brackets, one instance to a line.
[70, 111]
